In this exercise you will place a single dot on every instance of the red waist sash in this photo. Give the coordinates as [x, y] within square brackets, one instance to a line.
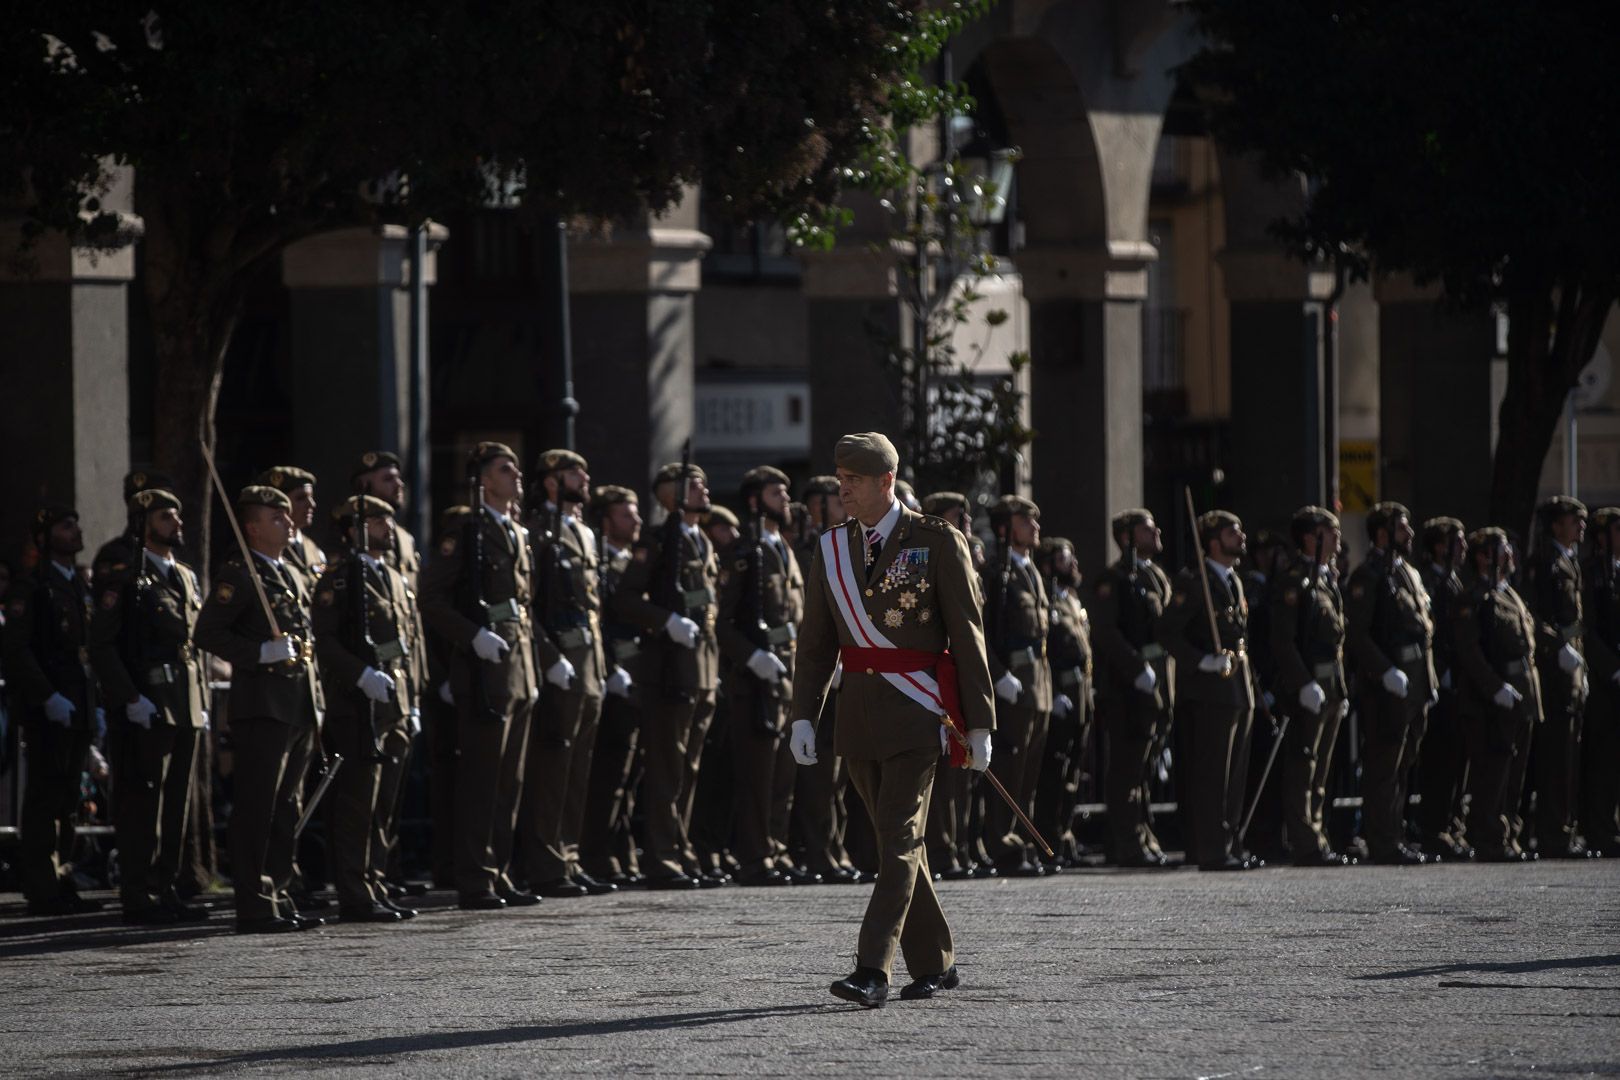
[910, 661]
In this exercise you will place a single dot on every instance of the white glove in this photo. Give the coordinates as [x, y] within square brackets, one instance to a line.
[1008, 688]
[979, 740]
[375, 685]
[205, 720]
[838, 675]
[277, 651]
[444, 693]
[618, 683]
[1568, 659]
[682, 631]
[1216, 664]
[59, 710]
[413, 723]
[1312, 697]
[140, 712]
[803, 742]
[1445, 679]
[560, 674]
[1344, 708]
[766, 666]
[1507, 697]
[1434, 694]
[1062, 705]
[1148, 680]
[489, 646]
[1396, 682]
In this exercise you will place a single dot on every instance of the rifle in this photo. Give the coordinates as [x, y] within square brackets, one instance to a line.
[674, 596]
[133, 638]
[1202, 572]
[478, 608]
[365, 646]
[767, 717]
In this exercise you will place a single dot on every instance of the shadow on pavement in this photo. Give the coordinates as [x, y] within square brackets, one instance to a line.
[1521, 967]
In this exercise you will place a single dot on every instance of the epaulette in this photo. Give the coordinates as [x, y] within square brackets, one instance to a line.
[938, 524]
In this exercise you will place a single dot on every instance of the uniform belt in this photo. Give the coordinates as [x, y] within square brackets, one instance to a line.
[1409, 654]
[1569, 633]
[911, 661]
[575, 637]
[389, 651]
[625, 649]
[1071, 676]
[1326, 670]
[163, 675]
[785, 634]
[697, 599]
[1515, 667]
[507, 611]
[1022, 658]
[1151, 651]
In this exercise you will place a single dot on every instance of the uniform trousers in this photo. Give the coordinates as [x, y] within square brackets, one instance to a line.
[271, 760]
[489, 787]
[152, 784]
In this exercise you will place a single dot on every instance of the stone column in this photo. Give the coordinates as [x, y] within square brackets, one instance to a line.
[1085, 310]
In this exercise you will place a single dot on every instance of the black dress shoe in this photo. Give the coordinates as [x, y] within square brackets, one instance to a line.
[1321, 858]
[184, 912]
[929, 985]
[712, 881]
[838, 875]
[270, 924]
[1022, 869]
[801, 875]
[560, 889]
[1228, 863]
[369, 913]
[672, 882]
[764, 879]
[301, 921]
[306, 902]
[519, 898]
[958, 873]
[866, 987]
[595, 886]
[1576, 850]
[484, 902]
[157, 915]
[404, 912]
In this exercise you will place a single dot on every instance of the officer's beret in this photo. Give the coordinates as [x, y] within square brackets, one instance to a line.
[486, 452]
[1211, 522]
[941, 501]
[1560, 506]
[1008, 505]
[263, 495]
[756, 480]
[719, 515]
[1313, 517]
[372, 460]
[288, 478]
[1480, 539]
[821, 485]
[1604, 516]
[141, 479]
[1437, 530]
[610, 495]
[48, 517]
[1051, 545]
[453, 517]
[672, 472]
[1129, 519]
[374, 507]
[1383, 516]
[869, 453]
[150, 499]
[555, 460]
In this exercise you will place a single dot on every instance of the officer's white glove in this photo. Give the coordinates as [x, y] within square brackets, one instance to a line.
[489, 646]
[59, 710]
[1008, 688]
[803, 742]
[413, 723]
[618, 683]
[560, 674]
[682, 631]
[277, 651]
[205, 720]
[1312, 697]
[375, 684]
[1344, 708]
[838, 675]
[1507, 697]
[1445, 680]
[979, 740]
[766, 666]
[1568, 659]
[1062, 705]
[1434, 694]
[1146, 681]
[140, 712]
[444, 693]
[1216, 664]
[1396, 682]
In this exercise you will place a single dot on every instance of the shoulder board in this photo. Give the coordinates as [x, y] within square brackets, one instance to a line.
[938, 524]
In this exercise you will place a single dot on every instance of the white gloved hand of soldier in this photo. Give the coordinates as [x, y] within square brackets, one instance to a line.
[1507, 697]
[413, 723]
[277, 651]
[1008, 688]
[979, 741]
[803, 742]
[140, 712]
[1062, 705]
[618, 683]
[681, 630]
[489, 646]
[1312, 697]
[766, 666]
[838, 675]
[375, 684]
[1568, 659]
[1216, 664]
[1396, 682]
[1148, 680]
[560, 674]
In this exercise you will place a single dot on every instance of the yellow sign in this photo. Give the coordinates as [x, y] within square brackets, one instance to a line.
[1358, 475]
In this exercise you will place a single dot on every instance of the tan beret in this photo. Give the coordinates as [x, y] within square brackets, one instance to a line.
[263, 495]
[372, 460]
[1211, 522]
[1130, 519]
[719, 515]
[1604, 516]
[1560, 506]
[288, 478]
[150, 499]
[141, 479]
[821, 485]
[758, 479]
[1311, 517]
[1009, 505]
[556, 460]
[1384, 515]
[671, 472]
[869, 453]
[374, 507]
[611, 495]
[941, 501]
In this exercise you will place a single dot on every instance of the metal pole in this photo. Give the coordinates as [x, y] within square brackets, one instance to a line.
[1571, 443]
[421, 497]
[565, 337]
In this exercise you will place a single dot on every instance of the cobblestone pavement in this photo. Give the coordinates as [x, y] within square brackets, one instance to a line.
[1451, 971]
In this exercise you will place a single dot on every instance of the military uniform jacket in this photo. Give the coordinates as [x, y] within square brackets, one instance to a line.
[1307, 632]
[112, 558]
[1017, 620]
[448, 607]
[1494, 637]
[568, 603]
[405, 558]
[931, 605]
[647, 595]
[1126, 603]
[232, 626]
[1068, 645]
[1183, 629]
[761, 604]
[621, 644]
[390, 618]
[1388, 625]
[1555, 601]
[1443, 587]
[1601, 609]
[47, 644]
[140, 641]
[307, 559]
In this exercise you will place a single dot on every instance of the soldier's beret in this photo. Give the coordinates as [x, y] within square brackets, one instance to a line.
[1129, 519]
[372, 460]
[1437, 530]
[48, 517]
[1008, 505]
[1604, 516]
[150, 499]
[1051, 545]
[556, 460]
[453, 516]
[869, 453]
[758, 479]
[719, 515]
[1383, 516]
[1312, 517]
[672, 472]
[821, 485]
[1480, 539]
[141, 479]
[611, 495]
[1560, 506]
[1211, 522]
[486, 452]
[941, 501]
[263, 495]
[288, 478]
[374, 507]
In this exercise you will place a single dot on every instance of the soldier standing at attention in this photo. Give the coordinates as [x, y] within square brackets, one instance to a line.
[303, 553]
[1390, 636]
[1600, 735]
[669, 590]
[1069, 651]
[118, 553]
[476, 594]
[1442, 766]
[153, 675]
[889, 594]
[951, 811]
[1135, 683]
[48, 674]
[275, 708]
[1307, 644]
[1215, 689]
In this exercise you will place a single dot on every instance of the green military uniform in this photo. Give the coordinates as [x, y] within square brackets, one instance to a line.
[143, 654]
[117, 554]
[1442, 766]
[1069, 653]
[673, 573]
[1555, 589]
[304, 555]
[494, 698]
[1600, 734]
